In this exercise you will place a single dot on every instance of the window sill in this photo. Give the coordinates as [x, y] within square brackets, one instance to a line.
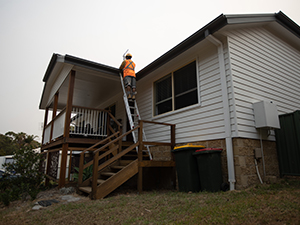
[171, 113]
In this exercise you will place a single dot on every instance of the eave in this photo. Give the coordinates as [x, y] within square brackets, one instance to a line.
[212, 27]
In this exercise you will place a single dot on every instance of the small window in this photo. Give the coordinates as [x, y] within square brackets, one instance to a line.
[176, 90]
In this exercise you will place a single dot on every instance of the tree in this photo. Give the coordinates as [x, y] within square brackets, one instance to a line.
[11, 141]
[27, 176]
[7, 147]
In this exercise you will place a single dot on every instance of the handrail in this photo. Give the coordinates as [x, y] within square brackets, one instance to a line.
[158, 123]
[117, 139]
[99, 143]
[114, 119]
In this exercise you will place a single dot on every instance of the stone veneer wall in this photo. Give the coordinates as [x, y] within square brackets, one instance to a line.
[243, 150]
[245, 171]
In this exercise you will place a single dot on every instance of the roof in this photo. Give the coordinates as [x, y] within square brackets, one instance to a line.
[215, 25]
[212, 27]
[57, 62]
[78, 62]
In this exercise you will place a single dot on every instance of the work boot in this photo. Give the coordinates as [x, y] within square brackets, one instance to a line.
[129, 96]
[133, 95]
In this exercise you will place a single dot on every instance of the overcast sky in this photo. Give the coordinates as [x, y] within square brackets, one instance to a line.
[101, 31]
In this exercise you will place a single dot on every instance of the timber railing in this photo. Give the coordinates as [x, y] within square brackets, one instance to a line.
[84, 122]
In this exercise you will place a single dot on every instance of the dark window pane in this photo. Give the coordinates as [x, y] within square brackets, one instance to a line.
[187, 99]
[163, 89]
[185, 83]
[185, 78]
[163, 95]
[163, 107]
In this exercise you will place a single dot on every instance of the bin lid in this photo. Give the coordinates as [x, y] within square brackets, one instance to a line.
[187, 147]
[208, 150]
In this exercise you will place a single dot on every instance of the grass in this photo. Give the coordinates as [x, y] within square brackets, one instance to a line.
[262, 204]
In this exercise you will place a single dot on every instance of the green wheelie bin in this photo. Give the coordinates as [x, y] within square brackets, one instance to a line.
[209, 168]
[186, 167]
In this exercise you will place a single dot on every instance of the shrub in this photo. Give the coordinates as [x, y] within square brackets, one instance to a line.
[26, 178]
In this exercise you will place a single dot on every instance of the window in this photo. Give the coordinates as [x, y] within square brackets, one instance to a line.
[176, 90]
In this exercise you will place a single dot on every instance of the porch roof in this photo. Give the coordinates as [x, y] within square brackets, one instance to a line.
[93, 81]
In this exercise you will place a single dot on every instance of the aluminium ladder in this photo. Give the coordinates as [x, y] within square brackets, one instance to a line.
[133, 117]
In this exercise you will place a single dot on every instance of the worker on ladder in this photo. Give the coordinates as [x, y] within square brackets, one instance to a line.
[129, 78]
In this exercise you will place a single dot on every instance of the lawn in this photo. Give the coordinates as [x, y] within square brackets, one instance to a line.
[262, 204]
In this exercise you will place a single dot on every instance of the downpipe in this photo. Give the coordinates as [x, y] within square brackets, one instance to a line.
[229, 148]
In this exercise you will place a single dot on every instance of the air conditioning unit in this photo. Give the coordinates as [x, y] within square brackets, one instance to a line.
[266, 115]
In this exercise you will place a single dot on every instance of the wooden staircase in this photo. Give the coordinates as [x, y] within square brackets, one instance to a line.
[111, 178]
[115, 162]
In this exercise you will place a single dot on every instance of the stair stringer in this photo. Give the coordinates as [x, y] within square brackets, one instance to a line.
[117, 180]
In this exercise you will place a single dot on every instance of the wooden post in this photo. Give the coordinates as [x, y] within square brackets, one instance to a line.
[120, 141]
[173, 143]
[80, 174]
[173, 136]
[64, 154]
[45, 123]
[140, 157]
[47, 180]
[54, 114]
[70, 165]
[95, 175]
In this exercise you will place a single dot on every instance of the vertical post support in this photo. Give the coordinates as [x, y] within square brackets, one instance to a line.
[53, 114]
[45, 123]
[64, 154]
[70, 166]
[95, 174]
[80, 173]
[120, 141]
[47, 180]
[173, 143]
[140, 157]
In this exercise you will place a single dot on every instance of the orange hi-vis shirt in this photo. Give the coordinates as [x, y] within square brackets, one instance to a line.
[128, 68]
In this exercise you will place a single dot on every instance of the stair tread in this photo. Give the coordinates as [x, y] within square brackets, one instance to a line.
[108, 173]
[100, 181]
[86, 189]
[117, 167]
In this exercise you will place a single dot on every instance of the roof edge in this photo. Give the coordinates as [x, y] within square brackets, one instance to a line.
[198, 36]
[90, 64]
[288, 23]
[50, 66]
[214, 26]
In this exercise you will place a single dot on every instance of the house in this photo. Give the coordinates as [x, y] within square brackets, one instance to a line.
[206, 87]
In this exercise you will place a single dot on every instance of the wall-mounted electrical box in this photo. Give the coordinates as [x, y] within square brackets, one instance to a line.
[266, 115]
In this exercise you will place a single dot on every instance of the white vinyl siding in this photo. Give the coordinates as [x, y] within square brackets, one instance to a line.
[204, 121]
[263, 68]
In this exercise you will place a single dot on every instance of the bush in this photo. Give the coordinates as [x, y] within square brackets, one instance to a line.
[27, 176]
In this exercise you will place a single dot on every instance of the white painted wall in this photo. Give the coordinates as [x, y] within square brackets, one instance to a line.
[203, 121]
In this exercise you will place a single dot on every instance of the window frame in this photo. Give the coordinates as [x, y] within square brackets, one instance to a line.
[197, 88]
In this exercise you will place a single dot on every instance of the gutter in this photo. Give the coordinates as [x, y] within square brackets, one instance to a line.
[195, 38]
[289, 24]
[226, 110]
[215, 25]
